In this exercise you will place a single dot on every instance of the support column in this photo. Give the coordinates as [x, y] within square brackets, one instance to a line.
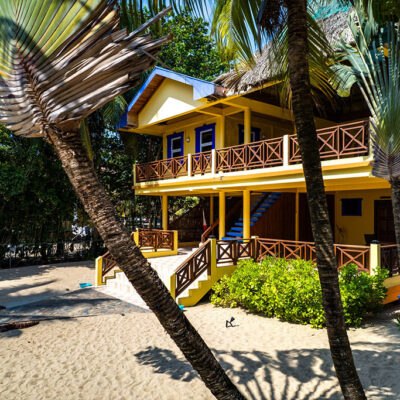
[247, 125]
[221, 215]
[374, 256]
[297, 216]
[222, 131]
[211, 210]
[246, 214]
[164, 209]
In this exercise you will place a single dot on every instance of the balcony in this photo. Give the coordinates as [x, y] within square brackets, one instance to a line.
[337, 142]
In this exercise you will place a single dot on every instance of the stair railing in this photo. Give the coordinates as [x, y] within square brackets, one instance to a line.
[206, 234]
[192, 268]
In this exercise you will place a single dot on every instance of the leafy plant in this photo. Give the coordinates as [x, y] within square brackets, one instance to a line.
[291, 291]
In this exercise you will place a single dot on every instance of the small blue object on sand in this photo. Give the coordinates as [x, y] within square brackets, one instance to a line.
[181, 307]
[83, 285]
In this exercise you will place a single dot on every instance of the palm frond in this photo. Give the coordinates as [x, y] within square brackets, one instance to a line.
[374, 63]
[61, 60]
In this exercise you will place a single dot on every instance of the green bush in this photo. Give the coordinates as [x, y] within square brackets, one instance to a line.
[291, 291]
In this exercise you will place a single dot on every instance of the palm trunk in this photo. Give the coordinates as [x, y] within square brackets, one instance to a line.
[395, 185]
[145, 280]
[326, 261]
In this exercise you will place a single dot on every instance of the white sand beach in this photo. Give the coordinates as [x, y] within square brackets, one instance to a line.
[113, 357]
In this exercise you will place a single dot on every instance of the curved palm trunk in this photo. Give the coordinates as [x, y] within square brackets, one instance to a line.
[326, 262]
[395, 185]
[139, 272]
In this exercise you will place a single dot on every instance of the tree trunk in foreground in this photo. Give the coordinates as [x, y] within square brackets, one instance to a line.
[395, 185]
[145, 280]
[326, 261]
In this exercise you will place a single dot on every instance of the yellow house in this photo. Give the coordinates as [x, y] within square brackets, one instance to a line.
[238, 149]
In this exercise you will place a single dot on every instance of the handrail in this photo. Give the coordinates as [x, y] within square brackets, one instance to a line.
[193, 267]
[208, 231]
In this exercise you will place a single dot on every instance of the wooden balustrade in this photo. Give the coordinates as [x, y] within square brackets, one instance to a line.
[156, 239]
[162, 169]
[193, 267]
[108, 263]
[201, 163]
[336, 142]
[266, 153]
[291, 250]
[390, 259]
[230, 251]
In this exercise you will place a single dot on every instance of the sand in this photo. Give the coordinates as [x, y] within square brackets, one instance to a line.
[24, 285]
[130, 357]
[115, 357]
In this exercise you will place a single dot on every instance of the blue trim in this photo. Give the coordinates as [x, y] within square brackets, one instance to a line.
[201, 88]
[352, 210]
[253, 129]
[169, 138]
[201, 129]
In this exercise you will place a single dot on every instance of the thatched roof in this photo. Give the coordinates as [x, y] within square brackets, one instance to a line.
[247, 79]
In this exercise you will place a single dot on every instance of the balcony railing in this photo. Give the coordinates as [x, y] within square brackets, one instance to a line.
[337, 142]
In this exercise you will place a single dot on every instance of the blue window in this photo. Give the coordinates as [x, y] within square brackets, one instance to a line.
[255, 134]
[205, 138]
[175, 145]
[352, 207]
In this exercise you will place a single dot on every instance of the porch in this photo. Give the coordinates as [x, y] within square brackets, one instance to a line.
[190, 275]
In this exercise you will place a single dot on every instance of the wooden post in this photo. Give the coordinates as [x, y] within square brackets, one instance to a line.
[247, 125]
[134, 174]
[211, 210]
[221, 215]
[285, 150]
[189, 164]
[172, 284]
[164, 209]
[99, 271]
[374, 256]
[213, 256]
[222, 131]
[213, 161]
[297, 216]
[246, 214]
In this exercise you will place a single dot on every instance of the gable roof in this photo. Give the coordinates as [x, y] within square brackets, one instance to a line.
[201, 89]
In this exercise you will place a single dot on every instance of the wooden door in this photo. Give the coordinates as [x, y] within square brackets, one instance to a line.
[384, 223]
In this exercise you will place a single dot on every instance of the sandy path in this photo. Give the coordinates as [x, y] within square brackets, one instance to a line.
[130, 357]
[27, 284]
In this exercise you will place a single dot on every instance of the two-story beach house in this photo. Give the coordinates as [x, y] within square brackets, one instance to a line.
[237, 149]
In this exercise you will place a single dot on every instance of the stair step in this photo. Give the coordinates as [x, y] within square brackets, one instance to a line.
[237, 229]
[241, 224]
[234, 234]
[251, 219]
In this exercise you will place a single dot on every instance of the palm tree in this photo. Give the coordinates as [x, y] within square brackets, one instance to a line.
[236, 27]
[376, 69]
[59, 62]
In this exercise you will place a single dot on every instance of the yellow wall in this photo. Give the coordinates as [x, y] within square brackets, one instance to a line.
[350, 229]
[170, 99]
[269, 127]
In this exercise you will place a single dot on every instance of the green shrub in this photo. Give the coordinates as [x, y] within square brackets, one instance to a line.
[291, 291]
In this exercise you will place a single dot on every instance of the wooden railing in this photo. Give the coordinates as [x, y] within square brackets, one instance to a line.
[339, 141]
[201, 163]
[390, 259]
[336, 142]
[108, 263]
[206, 234]
[155, 239]
[192, 268]
[162, 169]
[232, 250]
[266, 153]
[290, 249]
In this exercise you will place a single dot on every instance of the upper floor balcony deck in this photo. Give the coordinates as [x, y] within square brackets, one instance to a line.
[339, 142]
